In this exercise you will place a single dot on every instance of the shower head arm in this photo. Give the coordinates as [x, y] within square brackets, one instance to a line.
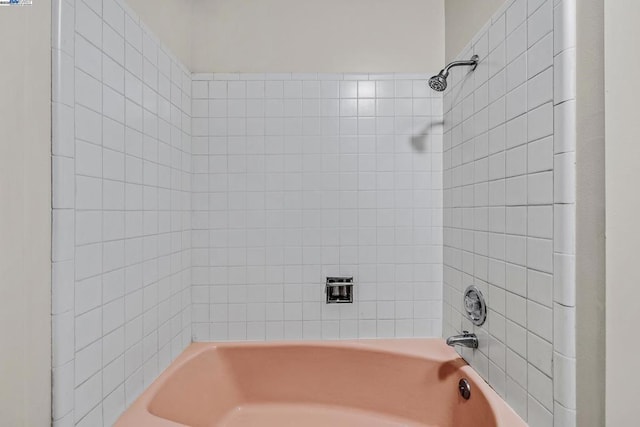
[471, 62]
[439, 82]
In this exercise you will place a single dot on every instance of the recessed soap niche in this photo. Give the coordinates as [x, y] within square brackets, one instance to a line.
[339, 290]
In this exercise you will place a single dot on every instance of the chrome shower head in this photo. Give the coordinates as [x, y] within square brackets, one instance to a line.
[439, 82]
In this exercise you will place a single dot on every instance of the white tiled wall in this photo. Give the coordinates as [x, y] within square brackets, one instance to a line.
[509, 205]
[302, 176]
[234, 218]
[121, 210]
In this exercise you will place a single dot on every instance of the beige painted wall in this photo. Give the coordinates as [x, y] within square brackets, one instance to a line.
[170, 21]
[464, 18]
[590, 215]
[623, 204]
[300, 35]
[25, 206]
[318, 36]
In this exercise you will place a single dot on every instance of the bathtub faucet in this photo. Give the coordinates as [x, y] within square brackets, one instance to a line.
[466, 339]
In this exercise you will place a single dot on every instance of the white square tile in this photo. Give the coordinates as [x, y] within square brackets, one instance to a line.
[497, 60]
[516, 220]
[540, 22]
[540, 55]
[516, 102]
[403, 89]
[538, 414]
[88, 23]
[533, 5]
[516, 131]
[540, 221]
[113, 15]
[540, 155]
[540, 287]
[497, 33]
[292, 89]
[540, 387]
[540, 188]
[516, 249]
[516, 43]
[88, 58]
[517, 368]
[236, 90]
[540, 254]
[385, 89]
[540, 122]
[517, 72]
[540, 89]
[540, 353]
[88, 91]
[516, 161]
[516, 191]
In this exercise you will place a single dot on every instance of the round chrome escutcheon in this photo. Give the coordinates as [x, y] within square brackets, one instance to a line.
[474, 305]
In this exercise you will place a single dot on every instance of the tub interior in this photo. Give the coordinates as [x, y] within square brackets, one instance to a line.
[317, 386]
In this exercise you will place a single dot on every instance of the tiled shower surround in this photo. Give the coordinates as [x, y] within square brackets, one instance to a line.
[302, 176]
[213, 206]
[509, 205]
[121, 210]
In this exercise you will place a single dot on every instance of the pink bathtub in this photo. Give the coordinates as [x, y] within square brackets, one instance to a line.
[330, 384]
